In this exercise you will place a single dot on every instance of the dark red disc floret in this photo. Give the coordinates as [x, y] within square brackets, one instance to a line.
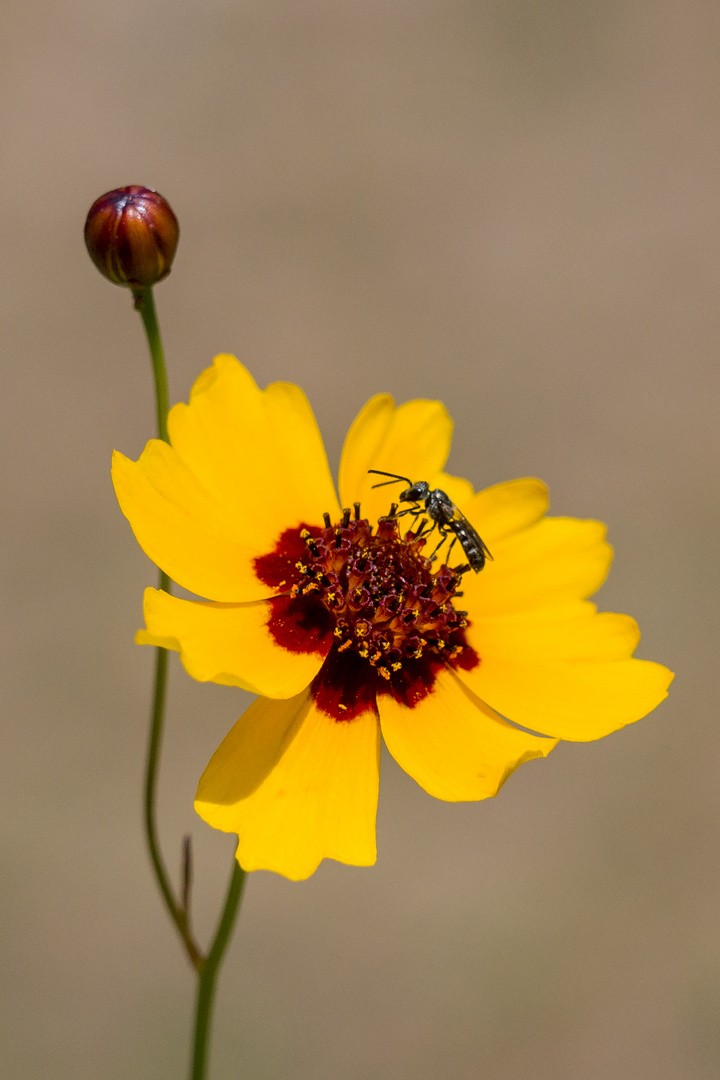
[372, 605]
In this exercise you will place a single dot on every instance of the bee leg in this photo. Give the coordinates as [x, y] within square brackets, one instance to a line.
[453, 542]
[443, 537]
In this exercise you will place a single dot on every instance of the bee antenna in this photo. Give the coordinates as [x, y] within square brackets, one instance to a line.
[395, 478]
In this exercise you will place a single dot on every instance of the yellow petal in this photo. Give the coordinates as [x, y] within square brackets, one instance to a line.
[505, 509]
[457, 489]
[576, 700]
[259, 452]
[318, 801]
[553, 562]
[453, 744]
[571, 632]
[228, 644]
[182, 527]
[412, 440]
[249, 753]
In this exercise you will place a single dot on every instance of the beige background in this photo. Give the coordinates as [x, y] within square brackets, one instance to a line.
[510, 204]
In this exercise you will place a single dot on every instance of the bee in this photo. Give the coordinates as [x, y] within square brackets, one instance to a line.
[445, 516]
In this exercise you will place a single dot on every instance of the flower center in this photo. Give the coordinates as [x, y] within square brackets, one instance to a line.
[387, 615]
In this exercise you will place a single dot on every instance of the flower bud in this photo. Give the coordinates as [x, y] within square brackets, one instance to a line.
[131, 234]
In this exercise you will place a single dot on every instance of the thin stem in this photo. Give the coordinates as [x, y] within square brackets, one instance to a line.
[177, 914]
[145, 305]
[209, 966]
[208, 972]
[187, 876]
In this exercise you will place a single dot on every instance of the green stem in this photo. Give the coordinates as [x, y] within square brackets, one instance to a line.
[208, 972]
[209, 966]
[145, 305]
[177, 913]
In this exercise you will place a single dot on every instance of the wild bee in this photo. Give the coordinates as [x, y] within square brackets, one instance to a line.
[445, 516]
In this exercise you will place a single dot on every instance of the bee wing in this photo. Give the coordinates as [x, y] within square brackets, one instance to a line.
[472, 532]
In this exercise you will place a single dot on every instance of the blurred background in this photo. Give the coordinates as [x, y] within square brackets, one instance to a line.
[512, 205]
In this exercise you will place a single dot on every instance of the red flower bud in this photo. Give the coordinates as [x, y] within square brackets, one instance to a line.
[131, 234]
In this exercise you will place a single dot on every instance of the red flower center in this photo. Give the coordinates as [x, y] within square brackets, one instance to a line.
[387, 616]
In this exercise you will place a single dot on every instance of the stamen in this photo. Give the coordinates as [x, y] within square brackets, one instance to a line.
[384, 610]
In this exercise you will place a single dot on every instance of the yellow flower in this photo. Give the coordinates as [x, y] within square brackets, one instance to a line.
[344, 628]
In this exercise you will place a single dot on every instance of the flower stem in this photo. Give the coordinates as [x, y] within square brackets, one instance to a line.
[178, 914]
[145, 305]
[208, 972]
[208, 966]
